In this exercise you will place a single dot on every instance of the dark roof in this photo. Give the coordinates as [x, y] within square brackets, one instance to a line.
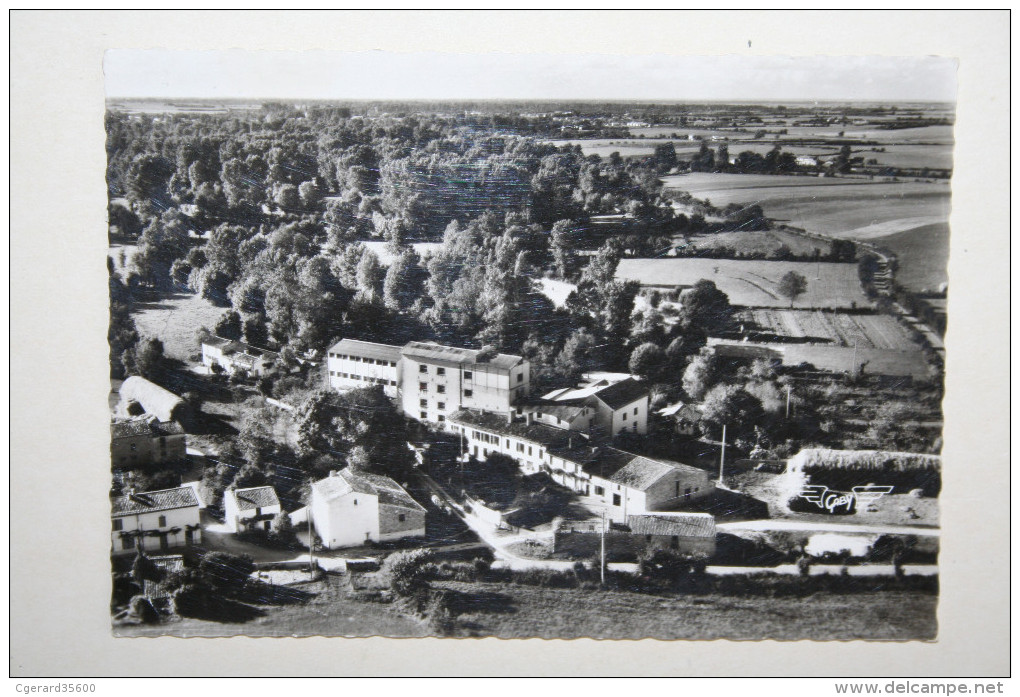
[144, 427]
[682, 525]
[630, 470]
[367, 349]
[427, 351]
[151, 501]
[622, 393]
[563, 411]
[540, 434]
[255, 497]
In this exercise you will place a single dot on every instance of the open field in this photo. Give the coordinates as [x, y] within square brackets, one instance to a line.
[524, 611]
[836, 328]
[841, 358]
[923, 254]
[333, 611]
[849, 208]
[761, 242]
[174, 321]
[753, 283]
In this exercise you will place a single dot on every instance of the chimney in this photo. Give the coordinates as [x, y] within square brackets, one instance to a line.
[509, 417]
[528, 417]
[334, 473]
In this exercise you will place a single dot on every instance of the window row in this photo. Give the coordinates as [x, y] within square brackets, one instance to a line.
[360, 359]
[352, 376]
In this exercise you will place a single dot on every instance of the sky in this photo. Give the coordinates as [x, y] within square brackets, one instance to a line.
[238, 74]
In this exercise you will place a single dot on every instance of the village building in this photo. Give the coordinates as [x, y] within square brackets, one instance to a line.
[236, 357]
[619, 405]
[253, 508]
[146, 442]
[140, 395]
[351, 364]
[437, 381]
[430, 381]
[155, 520]
[607, 478]
[351, 508]
[685, 533]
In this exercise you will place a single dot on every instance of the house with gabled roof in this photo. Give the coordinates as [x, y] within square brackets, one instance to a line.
[155, 520]
[146, 441]
[253, 508]
[617, 405]
[350, 508]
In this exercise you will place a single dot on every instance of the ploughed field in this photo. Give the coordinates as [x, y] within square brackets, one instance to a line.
[754, 283]
[835, 328]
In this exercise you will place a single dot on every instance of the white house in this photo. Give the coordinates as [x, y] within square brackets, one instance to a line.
[155, 520]
[351, 508]
[250, 509]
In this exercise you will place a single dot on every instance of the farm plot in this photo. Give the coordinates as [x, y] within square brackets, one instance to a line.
[834, 328]
[753, 283]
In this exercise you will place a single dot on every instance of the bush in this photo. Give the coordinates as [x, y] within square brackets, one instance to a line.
[191, 600]
[438, 613]
[143, 610]
[408, 573]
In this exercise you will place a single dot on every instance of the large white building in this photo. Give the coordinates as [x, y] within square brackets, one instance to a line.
[351, 508]
[619, 482]
[351, 364]
[155, 520]
[430, 381]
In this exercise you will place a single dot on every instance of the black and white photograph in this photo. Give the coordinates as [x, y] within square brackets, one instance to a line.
[555, 368]
[551, 344]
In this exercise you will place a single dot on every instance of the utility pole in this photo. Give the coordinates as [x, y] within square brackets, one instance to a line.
[722, 455]
[788, 402]
[602, 549]
[853, 370]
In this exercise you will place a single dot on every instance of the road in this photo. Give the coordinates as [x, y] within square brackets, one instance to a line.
[797, 526]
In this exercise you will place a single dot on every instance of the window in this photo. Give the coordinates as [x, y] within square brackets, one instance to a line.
[441, 406]
[468, 393]
[423, 403]
[423, 369]
[624, 416]
[467, 374]
[520, 377]
[599, 491]
[393, 383]
[648, 538]
[687, 491]
[401, 517]
[422, 386]
[423, 415]
[674, 542]
[616, 499]
[118, 524]
[442, 418]
[126, 543]
[440, 371]
[355, 502]
[441, 389]
[162, 521]
[529, 451]
[677, 494]
[635, 411]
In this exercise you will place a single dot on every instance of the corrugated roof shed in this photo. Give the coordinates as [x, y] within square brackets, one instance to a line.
[154, 399]
[681, 525]
[254, 497]
[152, 501]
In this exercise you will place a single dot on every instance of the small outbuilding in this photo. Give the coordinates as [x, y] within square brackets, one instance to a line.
[250, 509]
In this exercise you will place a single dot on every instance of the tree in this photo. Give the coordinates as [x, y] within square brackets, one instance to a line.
[700, 375]
[735, 408]
[705, 307]
[404, 281]
[647, 360]
[282, 529]
[229, 326]
[792, 285]
[562, 244]
[577, 357]
[149, 361]
[226, 571]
